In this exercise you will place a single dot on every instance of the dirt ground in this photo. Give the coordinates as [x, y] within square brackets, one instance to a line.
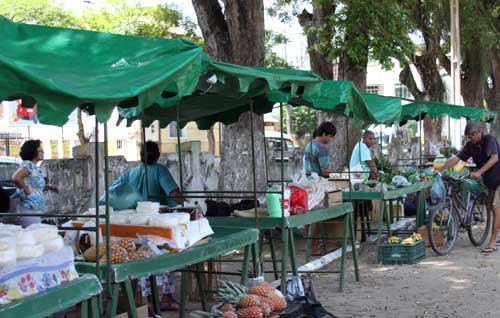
[465, 283]
[462, 284]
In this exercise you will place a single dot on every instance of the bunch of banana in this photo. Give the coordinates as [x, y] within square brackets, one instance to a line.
[435, 226]
[407, 241]
[393, 240]
[416, 237]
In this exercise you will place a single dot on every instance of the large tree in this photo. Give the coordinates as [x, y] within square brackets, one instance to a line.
[348, 33]
[235, 33]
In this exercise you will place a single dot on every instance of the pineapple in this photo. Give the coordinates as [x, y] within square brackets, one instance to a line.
[261, 289]
[277, 299]
[266, 309]
[246, 301]
[229, 314]
[265, 300]
[250, 312]
[227, 307]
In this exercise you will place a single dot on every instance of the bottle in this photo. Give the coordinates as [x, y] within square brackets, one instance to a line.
[273, 202]
[285, 202]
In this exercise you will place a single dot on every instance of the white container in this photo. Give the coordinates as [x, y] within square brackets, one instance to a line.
[285, 202]
[43, 232]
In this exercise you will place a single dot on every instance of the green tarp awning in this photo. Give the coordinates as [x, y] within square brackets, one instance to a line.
[150, 78]
[434, 109]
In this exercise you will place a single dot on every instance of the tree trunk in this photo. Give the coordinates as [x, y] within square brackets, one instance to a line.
[81, 130]
[495, 70]
[211, 140]
[348, 70]
[236, 35]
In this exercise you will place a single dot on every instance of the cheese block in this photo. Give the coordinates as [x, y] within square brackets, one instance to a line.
[53, 244]
[25, 237]
[119, 218]
[147, 207]
[164, 220]
[29, 251]
[140, 219]
[8, 256]
[43, 232]
[182, 216]
[10, 227]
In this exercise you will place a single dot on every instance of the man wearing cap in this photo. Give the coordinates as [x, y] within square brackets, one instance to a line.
[484, 150]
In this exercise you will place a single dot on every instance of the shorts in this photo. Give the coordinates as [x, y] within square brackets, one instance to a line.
[494, 197]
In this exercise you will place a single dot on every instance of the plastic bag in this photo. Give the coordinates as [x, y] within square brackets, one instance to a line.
[438, 191]
[122, 196]
[400, 181]
[298, 200]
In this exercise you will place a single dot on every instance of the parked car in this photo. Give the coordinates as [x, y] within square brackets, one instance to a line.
[8, 165]
[273, 144]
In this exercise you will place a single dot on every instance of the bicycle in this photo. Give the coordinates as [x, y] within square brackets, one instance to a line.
[446, 217]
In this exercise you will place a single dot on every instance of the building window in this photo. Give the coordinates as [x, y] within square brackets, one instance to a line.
[373, 89]
[172, 131]
[119, 144]
[402, 91]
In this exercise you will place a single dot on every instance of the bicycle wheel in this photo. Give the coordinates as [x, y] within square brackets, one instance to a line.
[442, 228]
[478, 222]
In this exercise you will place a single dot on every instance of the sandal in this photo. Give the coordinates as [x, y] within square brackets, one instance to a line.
[488, 250]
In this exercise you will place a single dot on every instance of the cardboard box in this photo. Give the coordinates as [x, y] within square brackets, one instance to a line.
[142, 312]
[333, 198]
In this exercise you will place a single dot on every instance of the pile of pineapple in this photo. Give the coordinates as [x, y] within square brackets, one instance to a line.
[407, 241]
[260, 301]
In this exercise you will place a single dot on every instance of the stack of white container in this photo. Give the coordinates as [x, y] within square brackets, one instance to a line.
[17, 243]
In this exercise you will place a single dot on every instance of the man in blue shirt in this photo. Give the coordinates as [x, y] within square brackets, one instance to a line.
[484, 150]
[316, 157]
[361, 156]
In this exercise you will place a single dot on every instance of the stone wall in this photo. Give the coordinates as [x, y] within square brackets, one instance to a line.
[76, 177]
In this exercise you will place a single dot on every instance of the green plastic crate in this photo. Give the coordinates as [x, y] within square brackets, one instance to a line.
[398, 254]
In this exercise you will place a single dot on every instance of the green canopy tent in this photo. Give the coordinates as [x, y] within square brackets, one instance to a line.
[148, 78]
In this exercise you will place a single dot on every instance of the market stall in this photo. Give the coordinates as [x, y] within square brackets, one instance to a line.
[419, 178]
[50, 84]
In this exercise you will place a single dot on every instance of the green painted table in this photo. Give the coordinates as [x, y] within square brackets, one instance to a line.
[287, 225]
[81, 291]
[389, 195]
[223, 241]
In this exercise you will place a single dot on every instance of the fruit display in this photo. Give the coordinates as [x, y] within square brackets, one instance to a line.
[393, 240]
[260, 301]
[121, 251]
[412, 239]
[407, 241]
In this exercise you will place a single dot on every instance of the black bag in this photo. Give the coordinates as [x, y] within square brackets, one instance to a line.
[303, 307]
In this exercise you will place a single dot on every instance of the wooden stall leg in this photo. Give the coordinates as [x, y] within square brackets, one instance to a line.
[379, 229]
[132, 310]
[83, 309]
[284, 259]
[182, 309]
[273, 255]
[245, 265]
[155, 295]
[342, 259]
[353, 243]
[309, 243]
[113, 302]
[93, 307]
[201, 285]
[293, 256]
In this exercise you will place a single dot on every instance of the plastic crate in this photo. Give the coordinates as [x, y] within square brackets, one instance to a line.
[398, 254]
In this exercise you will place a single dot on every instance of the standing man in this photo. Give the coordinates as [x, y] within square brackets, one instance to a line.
[316, 156]
[484, 151]
[361, 156]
